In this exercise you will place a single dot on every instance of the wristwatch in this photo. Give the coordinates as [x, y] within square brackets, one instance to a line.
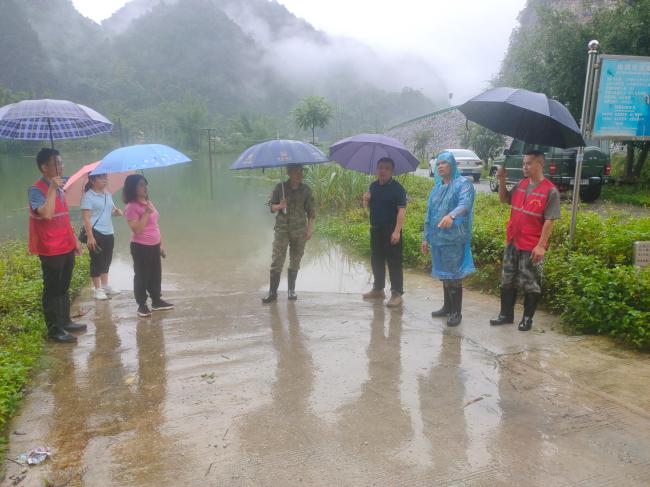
[452, 216]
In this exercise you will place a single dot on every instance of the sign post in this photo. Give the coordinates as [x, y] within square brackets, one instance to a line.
[586, 99]
[615, 106]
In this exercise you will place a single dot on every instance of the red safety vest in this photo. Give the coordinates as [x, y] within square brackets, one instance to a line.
[51, 237]
[527, 214]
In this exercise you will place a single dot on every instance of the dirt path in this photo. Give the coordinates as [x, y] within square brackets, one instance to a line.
[330, 391]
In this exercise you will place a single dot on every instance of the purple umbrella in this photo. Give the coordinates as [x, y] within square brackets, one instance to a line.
[361, 153]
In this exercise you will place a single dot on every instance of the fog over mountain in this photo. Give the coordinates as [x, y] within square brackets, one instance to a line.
[236, 55]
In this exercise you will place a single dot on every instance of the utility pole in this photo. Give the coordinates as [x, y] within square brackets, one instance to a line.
[209, 131]
[119, 127]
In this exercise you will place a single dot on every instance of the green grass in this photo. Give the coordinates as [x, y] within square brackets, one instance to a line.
[22, 328]
[637, 195]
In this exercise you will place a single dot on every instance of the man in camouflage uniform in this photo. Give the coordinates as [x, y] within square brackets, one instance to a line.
[293, 202]
[535, 205]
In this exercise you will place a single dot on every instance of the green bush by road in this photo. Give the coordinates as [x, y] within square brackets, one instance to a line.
[22, 328]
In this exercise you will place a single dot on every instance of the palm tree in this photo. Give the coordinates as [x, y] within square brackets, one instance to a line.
[312, 112]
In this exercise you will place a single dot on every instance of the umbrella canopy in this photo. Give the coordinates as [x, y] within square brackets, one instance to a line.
[524, 115]
[74, 186]
[362, 152]
[137, 157]
[50, 120]
[279, 153]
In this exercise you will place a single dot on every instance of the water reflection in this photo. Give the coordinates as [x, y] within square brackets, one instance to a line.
[442, 395]
[285, 426]
[105, 404]
[376, 423]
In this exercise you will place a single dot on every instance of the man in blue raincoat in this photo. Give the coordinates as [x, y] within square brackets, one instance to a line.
[448, 234]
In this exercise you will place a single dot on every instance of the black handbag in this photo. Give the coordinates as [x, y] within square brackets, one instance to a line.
[83, 236]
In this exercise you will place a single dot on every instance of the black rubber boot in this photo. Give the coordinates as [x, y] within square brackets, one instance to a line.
[273, 287]
[66, 322]
[291, 279]
[444, 311]
[53, 318]
[507, 313]
[59, 335]
[530, 305]
[455, 306]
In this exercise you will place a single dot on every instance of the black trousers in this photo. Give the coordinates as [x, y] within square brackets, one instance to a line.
[383, 253]
[101, 262]
[57, 275]
[148, 272]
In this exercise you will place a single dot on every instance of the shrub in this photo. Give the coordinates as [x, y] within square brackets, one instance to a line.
[22, 328]
[637, 195]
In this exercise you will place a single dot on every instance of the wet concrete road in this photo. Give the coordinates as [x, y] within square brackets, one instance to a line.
[327, 391]
[330, 391]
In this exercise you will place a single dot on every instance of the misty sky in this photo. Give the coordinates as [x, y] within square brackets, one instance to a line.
[465, 40]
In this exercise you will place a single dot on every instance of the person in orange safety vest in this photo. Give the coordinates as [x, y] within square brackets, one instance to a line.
[535, 205]
[52, 238]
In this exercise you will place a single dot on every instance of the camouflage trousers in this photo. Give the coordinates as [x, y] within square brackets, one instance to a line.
[519, 270]
[295, 240]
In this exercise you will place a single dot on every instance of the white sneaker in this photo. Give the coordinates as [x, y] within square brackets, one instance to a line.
[100, 294]
[110, 291]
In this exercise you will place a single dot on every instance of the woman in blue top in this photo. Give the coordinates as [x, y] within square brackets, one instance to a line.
[448, 234]
[97, 208]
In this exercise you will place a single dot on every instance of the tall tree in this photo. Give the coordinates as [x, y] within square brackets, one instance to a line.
[312, 112]
[550, 56]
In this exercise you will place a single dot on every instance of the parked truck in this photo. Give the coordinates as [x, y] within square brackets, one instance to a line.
[560, 167]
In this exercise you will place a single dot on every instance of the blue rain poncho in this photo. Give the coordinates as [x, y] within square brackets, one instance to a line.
[451, 253]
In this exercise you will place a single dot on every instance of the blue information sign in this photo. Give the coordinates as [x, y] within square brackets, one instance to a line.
[623, 103]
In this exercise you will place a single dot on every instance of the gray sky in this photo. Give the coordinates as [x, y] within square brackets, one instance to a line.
[464, 39]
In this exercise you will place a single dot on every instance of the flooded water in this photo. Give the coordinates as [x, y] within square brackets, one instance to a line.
[326, 391]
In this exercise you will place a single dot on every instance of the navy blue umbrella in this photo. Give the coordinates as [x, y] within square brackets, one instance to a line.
[524, 115]
[50, 120]
[279, 153]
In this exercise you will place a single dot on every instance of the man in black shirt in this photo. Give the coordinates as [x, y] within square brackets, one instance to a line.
[386, 199]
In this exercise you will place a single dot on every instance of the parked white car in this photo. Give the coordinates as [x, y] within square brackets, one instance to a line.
[469, 163]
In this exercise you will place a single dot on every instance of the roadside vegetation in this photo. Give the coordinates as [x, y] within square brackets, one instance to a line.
[593, 287]
[22, 327]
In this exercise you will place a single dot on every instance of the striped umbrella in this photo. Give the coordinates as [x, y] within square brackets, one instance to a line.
[50, 120]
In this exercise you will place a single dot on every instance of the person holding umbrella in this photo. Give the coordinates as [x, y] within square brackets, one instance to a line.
[97, 208]
[448, 234]
[386, 157]
[146, 245]
[52, 238]
[293, 202]
[386, 199]
[535, 205]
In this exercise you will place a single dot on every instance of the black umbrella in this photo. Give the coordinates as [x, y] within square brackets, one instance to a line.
[524, 115]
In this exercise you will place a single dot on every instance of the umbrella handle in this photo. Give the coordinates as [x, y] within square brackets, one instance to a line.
[284, 210]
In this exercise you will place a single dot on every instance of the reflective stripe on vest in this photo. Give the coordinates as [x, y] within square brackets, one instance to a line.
[527, 214]
[54, 236]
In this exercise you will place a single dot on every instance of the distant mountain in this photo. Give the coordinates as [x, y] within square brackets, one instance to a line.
[235, 56]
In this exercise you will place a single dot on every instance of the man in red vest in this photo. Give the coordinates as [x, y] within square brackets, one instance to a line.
[52, 238]
[535, 205]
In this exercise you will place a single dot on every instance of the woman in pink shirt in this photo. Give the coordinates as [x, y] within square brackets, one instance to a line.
[146, 245]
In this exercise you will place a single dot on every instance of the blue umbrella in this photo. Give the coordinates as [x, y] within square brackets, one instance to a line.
[137, 157]
[279, 153]
[362, 152]
[50, 120]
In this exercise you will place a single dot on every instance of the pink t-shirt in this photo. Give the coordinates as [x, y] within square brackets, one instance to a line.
[150, 235]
